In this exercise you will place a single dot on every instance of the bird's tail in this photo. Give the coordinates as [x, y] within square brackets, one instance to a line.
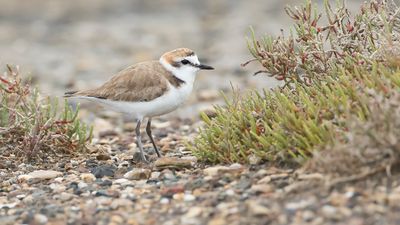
[70, 94]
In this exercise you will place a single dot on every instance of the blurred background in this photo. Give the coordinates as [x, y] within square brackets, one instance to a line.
[75, 44]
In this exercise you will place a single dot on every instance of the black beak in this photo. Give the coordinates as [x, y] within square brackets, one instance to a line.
[205, 67]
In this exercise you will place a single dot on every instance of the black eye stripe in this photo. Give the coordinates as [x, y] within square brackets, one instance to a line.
[185, 61]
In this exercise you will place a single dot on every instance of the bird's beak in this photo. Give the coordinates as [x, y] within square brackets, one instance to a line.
[205, 67]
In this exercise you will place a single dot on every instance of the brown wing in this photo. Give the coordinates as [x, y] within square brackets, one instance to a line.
[138, 83]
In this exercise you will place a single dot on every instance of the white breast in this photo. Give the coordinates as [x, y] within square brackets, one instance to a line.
[164, 104]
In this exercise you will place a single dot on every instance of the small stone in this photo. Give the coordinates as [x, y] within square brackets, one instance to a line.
[213, 171]
[178, 196]
[138, 174]
[103, 157]
[82, 185]
[189, 198]
[155, 175]
[254, 160]
[59, 179]
[258, 209]
[44, 174]
[308, 215]
[39, 219]
[57, 188]
[28, 199]
[173, 163]
[23, 178]
[193, 212]
[164, 201]
[116, 219]
[329, 211]
[103, 170]
[121, 202]
[66, 196]
[230, 192]
[20, 197]
[88, 177]
[120, 181]
[170, 191]
[217, 221]
[105, 182]
[262, 188]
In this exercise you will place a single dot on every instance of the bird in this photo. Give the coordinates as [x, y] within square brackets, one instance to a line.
[148, 89]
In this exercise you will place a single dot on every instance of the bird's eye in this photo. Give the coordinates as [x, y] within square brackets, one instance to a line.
[185, 61]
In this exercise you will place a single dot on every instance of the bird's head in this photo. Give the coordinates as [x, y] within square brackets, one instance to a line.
[181, 61]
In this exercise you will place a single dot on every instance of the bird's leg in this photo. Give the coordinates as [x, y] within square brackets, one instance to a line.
[139, 140]
[148, 131]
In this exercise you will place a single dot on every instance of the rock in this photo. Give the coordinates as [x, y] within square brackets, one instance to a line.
[155, 175]
[164, 200]
[23, 178]
[39, 175]
[105, 182]
[173, 163]
[193, 212]
[121, 202]
[88, 177]
[254, 160]
[116, 219]
[215, 170]
[270, 178]
[39, 219]
[178, 196]
[57, 187]
[28, 199]
[8, 205]
[257, 209]
[66, 196]
[138, 174]
[217, 221]
[20, 197]
[189, 198]
[103, 170]
[330, 212]
[103, 157]
[262, 188]
[82, 185]
[170, 191]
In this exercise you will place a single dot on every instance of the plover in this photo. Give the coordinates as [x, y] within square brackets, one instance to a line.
[148, 89]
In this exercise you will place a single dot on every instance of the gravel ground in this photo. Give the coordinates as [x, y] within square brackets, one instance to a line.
[108, 185]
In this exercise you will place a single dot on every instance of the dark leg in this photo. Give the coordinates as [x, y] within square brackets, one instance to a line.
[148, 131]
[139, 141]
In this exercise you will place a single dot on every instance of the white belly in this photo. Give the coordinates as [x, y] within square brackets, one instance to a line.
[164, 104]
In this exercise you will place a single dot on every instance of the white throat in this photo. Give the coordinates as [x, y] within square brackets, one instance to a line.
[187, 74]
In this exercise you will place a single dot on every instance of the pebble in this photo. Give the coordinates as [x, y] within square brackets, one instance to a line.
[88, 177]
[103, 170]
[82, 185]
[164, 200]
[189, 197]
[329, 211]
[66, 196]
[44, 174]
[40, 219]
[216, 170]
[194, 212]
[173, 163]
[258, 209]
[262, 188]
[138, 174]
